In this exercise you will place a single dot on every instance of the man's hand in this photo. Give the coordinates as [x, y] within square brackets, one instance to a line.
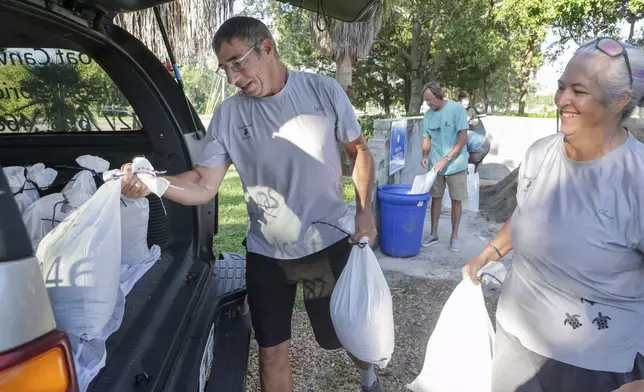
[131, 186]
[365, 227]
[635, 386]
[440, 165]
[424, 162]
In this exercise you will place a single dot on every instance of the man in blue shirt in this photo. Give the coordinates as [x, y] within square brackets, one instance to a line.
[477, 144]
[445, 129]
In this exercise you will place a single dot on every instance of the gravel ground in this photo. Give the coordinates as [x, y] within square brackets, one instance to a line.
[417, 306]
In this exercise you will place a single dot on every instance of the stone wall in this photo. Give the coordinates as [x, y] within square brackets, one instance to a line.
[510, 138]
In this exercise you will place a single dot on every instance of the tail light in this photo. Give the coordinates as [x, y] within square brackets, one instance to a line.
[43, 365]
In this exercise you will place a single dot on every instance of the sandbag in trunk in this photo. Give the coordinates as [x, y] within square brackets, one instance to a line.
[25, 182]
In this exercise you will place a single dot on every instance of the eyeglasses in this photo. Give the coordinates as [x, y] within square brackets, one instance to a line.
[613, 48]
[235, 66]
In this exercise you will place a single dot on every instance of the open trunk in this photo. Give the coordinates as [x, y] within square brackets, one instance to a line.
[109, 96]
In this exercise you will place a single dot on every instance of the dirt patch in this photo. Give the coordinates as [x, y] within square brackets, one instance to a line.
[417, 306]
[498, 201]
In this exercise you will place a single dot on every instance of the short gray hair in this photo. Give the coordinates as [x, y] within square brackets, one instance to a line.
[250, 30]
[435, 89]
[615, 80]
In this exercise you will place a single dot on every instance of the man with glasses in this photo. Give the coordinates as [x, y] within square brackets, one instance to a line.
[280, 131]
[445, 129]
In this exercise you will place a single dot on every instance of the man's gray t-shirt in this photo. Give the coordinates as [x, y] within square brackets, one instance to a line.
[285, 150]
[575, 292]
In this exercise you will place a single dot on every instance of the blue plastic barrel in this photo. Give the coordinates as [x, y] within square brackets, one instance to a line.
[401, 220]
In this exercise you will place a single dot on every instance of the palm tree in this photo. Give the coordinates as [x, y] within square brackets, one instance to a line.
[191, 25]
[345, 42]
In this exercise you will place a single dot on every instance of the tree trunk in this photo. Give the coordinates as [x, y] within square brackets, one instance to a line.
[486, 95]
[415, 93]
[343, 73]
[406, 90]
[386, 96]
[525, 73]
[631, 31]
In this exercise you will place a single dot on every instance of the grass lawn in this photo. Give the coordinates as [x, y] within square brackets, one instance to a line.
[233, 217]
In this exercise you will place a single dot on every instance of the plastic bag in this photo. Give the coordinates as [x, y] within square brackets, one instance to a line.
[459, 351]
[82, 186]
[473, 188]
[42, 216]
[361, 308]
[81, 261]
[423, 183]
[25, 181]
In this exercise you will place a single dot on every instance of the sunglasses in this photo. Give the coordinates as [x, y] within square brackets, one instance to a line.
[613, 48]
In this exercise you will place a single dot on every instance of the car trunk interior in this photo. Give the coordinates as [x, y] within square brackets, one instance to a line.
[160, 303]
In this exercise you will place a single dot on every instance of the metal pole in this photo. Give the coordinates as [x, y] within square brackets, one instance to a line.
[166, 41]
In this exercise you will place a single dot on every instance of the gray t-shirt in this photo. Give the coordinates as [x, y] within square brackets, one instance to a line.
[285, 150]
[575, 292]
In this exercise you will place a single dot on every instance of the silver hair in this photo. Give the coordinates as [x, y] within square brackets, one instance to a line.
[250, 30]
[615, 80]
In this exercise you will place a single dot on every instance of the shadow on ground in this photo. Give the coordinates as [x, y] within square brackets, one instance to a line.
[417, 306]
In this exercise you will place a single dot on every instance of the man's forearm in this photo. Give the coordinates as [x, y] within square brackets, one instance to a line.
[190, 188]
[427, 147]
[363, 178]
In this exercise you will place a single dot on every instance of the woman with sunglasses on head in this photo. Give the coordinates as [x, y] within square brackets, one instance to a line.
[571, 314]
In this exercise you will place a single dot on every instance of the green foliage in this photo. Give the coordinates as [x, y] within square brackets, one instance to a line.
[58, 95]
[366, 124]
[198, 83]
[295, 43]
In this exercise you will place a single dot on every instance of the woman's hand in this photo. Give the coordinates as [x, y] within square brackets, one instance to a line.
[472, 268]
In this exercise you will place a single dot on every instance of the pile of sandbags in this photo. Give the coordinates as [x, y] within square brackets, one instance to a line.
[26, 181]
[46, 213]
[92, 259]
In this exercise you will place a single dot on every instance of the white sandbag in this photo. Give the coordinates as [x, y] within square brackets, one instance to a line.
[134, 230]
[146, 173]
[43, 215]
[361, 308]
[423, 183]
[473, 186]
[25, 181]
[459, 351]
[81, 260]
[473, 189]
[42, 176]
[82, 186]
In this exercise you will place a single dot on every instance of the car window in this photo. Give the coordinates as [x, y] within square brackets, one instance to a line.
[45, 90]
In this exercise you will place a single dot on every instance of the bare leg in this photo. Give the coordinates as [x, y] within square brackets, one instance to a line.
[436, 214]
[457, 211]
[367, 372]
[274, 368]
[361, 365]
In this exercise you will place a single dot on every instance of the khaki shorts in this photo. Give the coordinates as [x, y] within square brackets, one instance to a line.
[457, 184]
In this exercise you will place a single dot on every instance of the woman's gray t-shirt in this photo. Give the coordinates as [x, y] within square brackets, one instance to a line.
[285, 150]
[575, 292]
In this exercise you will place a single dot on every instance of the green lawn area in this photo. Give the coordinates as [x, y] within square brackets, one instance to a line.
[233, 217]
